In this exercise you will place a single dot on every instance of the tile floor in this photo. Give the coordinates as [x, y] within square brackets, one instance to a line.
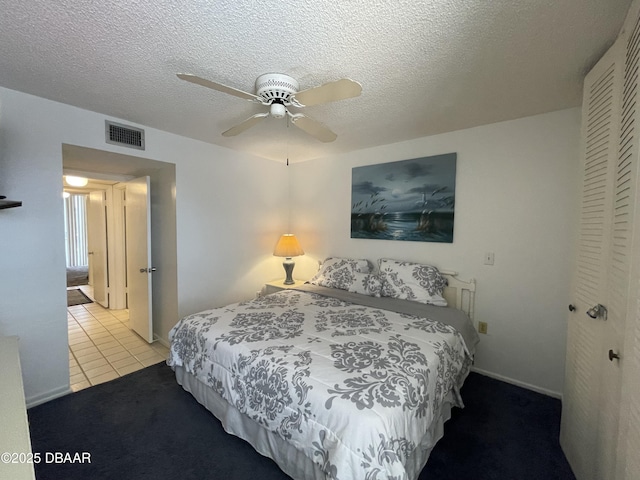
[102, 347]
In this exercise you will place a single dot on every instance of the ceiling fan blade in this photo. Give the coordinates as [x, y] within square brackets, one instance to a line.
[313, 128]
[218, 86]
[329, 92]
[247, 124]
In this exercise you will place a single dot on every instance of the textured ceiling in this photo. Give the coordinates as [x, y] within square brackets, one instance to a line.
[426, 67]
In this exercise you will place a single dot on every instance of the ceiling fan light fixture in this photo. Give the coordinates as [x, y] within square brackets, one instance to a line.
[279, 91]
[275, 87]
[76, 181]
[278, 110]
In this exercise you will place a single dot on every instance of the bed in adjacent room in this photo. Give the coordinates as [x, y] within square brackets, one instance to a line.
[333, 383]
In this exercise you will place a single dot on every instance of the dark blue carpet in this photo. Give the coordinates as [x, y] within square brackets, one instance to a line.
[504, 432]
[144, 426]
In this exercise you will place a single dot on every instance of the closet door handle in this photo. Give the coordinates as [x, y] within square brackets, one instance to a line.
[572, 307]
[598, 311]
[613, 355]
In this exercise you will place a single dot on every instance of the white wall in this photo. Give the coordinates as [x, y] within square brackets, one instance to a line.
[516, 187]
[516, 184]
[230, 210]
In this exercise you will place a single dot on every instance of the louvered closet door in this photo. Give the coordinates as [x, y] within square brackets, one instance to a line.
[582, 413]
[620, 256]
[626, 257]
[629, 440]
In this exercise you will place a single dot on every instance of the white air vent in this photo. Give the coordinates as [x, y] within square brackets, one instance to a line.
[124, 135]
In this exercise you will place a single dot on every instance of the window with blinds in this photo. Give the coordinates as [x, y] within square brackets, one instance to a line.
[75, 230]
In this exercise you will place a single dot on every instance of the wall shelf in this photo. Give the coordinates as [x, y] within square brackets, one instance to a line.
[4, 203]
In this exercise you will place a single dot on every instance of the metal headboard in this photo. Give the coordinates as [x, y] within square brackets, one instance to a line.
[460, 294]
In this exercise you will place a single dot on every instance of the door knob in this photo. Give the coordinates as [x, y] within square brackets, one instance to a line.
[598, 311]
[572, 308]
[613, 355]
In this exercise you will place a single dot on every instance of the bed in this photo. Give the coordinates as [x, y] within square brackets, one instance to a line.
[330, 383]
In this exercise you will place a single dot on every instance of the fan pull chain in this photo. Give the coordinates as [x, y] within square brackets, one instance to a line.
[288, 141]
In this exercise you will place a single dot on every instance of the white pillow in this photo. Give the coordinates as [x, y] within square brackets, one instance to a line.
[366, 284]
[412, 281]
[358, 265]
[340, 272]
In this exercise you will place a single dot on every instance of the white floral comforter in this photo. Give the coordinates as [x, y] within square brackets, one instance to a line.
[355, 388]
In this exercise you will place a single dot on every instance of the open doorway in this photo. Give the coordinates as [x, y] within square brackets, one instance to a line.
[102, 345]
[85, 228]
[95, 239]
[76, 248]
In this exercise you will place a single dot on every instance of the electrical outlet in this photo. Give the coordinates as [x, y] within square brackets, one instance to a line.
[482, 327]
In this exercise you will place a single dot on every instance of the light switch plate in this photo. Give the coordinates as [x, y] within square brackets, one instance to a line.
[489, 258]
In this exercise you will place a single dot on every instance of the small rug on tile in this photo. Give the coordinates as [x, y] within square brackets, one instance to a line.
[144, 426]
[76, 297]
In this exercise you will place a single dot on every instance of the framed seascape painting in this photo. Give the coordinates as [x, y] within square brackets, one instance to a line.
[409, 200]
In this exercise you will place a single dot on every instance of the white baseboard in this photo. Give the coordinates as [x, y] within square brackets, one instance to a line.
[45, 397]
[161, 341]
[518, 383]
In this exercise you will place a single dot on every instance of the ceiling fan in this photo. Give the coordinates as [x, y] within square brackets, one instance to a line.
[279, 91]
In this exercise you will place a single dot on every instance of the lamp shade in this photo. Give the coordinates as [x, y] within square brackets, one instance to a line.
[288, 246]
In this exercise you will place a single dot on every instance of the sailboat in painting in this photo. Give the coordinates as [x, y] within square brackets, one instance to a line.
[411, 200]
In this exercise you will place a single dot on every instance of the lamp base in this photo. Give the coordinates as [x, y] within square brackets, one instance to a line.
[288, 265]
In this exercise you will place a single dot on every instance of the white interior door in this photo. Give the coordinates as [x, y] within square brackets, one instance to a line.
[97, 243]
[628, 467]
[589, 414]
[628, 212]
[600, 431]
[620, 287]
[138, 248]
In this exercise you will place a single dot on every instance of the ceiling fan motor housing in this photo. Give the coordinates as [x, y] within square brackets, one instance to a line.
[276, 88]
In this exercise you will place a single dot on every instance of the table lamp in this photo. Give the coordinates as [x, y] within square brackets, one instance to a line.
[288, 247]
